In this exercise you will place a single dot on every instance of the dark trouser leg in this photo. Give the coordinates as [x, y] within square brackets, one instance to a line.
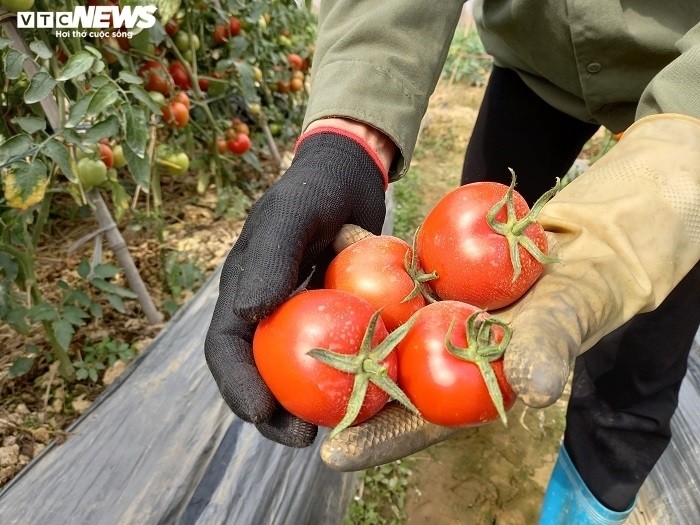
[624, 393]
[516, 129]
[626, 387]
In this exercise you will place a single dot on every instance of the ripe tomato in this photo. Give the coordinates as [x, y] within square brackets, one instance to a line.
[182, 97]
[180, 76]
[448, 390]
[282, 86]
[221, 146]
[172, 26]
[472, 260]
[234, 25]
[176, 114]
[240, 144]
[374, 268]
[91, 172]
[296, 85]
[239, 126]
[203, 84]
[107, 155]
[155, 77]
[295, 61]
[221, 34]
[308, 388]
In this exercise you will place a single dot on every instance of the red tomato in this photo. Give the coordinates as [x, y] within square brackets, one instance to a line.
[176, 114]
[221, 33]
[155, 76]
[182, 98]
[180, 77]
[234, 25]
[172, 26]
[203, 84]
[472, 261]
[375, 269]
[295, 61]
[306, 387]
[240, 144]
[107, 155]
[447, 390]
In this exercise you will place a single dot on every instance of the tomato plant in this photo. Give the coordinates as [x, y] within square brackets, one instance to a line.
[334, 369]
[484, 243]
[380, 269]
[451, 367]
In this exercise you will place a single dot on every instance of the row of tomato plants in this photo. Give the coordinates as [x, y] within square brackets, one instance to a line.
[206, 94]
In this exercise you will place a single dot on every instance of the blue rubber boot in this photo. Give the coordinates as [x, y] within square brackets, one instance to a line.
[569, 502]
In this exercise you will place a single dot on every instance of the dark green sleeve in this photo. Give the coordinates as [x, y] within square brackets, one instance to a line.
[676, 88]
[378, 61]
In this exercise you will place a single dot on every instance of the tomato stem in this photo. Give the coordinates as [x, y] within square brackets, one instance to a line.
[367, 368]
[418, 275]
[481, 350]
[513, 229]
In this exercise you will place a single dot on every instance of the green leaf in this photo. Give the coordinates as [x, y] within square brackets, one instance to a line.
[21, 366]
[41, 86]
[106, 270]
[142, 96]
[5, 43]
[79, 111]
[63, 331]
[96, 310]
[40, 49]
[116, 302]
[17, 319]
[17, 146]
[14, 63]
[252, 159]
[102, 130]
[103, 98]
[136, 129]
[130, 78]
[167, 8]
[84, 268]
[42, 312]
[25, 184]
[58, 152]
[72, 136]
[30, 124]
[99, 81]
[246, 74]
[108, 287]
[140, 167]
[77, 64]
[74, 315]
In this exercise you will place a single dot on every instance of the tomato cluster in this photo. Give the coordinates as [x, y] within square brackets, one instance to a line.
[483, 248]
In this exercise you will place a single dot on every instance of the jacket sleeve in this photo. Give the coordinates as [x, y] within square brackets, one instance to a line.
[378, 61]
[676, 88]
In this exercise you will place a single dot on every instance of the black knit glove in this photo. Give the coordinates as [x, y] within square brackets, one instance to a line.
[332, 181]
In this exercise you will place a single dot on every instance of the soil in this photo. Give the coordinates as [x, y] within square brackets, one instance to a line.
[484, 475]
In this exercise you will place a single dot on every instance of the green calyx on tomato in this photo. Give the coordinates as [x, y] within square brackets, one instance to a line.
[513, 229]
[482, 348]
[367, 368]
[91, 172]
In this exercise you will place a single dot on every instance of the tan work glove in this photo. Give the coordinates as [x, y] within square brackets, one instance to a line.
[625, 233]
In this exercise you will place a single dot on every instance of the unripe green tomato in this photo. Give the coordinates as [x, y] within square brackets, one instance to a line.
[158, 98]
[16, 6]
[175, 163]
[91, 173]
[119, 159]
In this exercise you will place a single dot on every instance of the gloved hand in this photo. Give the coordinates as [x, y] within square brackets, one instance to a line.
[625, 233]
[333, 179]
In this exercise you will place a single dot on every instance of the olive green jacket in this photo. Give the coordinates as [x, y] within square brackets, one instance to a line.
[602, 61]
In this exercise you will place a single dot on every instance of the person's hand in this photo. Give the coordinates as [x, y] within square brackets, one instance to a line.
[335, 177]
[625, 233]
